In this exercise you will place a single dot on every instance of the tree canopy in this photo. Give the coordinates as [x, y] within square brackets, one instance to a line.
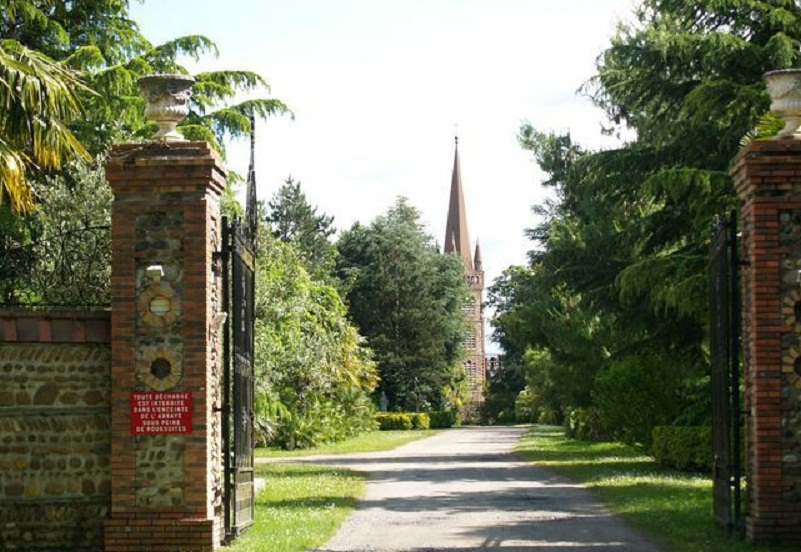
[62, 59]
[617, 284]
[293, 219]
[314, 375]
[406, 298]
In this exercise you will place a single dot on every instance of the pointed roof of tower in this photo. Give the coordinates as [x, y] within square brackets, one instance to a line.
[457, 239]
[477, 262]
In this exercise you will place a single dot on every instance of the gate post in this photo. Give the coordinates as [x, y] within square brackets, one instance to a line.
[767, 177]
[166, 471]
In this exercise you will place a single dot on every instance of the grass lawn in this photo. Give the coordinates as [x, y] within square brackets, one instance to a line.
[673, 508]
[301, 507]
[366, 442]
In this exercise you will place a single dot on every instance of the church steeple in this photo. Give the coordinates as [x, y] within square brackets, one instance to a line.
[456, 236]
[457, 241]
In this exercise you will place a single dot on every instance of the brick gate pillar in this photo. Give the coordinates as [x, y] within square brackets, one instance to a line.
[166, 482]
[767, 176]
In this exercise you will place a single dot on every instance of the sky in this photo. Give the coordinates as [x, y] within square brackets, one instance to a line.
[379, 89]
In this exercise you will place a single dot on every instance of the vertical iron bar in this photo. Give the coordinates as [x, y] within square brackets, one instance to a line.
[734, 335]
[226, 406]
[720, 348]
[252, 371]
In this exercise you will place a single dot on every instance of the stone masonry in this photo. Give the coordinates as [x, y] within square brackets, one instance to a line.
[767, 176]
[54, 430]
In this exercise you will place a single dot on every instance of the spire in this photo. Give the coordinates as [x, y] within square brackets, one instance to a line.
[251, 215]
[477, 257]
[456, 236]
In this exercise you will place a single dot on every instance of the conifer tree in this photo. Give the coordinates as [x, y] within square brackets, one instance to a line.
[293, 220]
[622, 252]
[406, 298]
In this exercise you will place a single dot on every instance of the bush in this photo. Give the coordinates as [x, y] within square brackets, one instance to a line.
[420, 420]
[442, 419]
[683, 448]
[393, 420]
[524, 406]
[636, 394]
[584, 424]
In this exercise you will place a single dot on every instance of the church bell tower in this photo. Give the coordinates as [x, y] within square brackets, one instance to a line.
[457, 241]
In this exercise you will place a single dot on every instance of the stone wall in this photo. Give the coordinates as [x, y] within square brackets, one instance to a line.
[54, 431]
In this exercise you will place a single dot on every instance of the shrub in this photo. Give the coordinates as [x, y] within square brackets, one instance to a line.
[505, 417]
[584, 424]
[524, 406]
[442, 419]
[393, 420]
[420, 420]
[636, 394]
[683, 448]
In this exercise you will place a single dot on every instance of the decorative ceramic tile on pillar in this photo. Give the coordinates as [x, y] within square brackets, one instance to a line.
[165, 460]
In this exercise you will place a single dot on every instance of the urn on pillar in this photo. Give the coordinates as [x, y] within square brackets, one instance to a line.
[167, 98]
[784, 87]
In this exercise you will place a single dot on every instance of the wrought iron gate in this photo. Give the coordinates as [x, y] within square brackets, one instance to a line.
[238, 379]
[725, 353]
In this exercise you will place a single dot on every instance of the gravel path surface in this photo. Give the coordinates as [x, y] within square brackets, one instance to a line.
[463, 490]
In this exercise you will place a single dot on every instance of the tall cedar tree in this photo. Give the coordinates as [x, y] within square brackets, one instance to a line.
[406, 298]
[622, 252]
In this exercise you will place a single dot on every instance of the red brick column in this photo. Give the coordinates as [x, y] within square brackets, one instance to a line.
[165, 479]
[767, 176]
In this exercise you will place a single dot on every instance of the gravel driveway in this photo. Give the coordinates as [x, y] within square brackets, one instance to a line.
[463, 490]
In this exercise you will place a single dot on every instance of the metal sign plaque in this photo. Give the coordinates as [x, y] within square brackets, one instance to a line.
[161, 413]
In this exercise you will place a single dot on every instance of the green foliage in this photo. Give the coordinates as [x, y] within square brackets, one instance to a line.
[584, 424]
[503, 388]
[60, 253]
[99, 40]
[420, 420]
[443, 419]
[38, 98]
[619, 267]
[524, 407]
[309, 359]
[293, 220]
[393, 421]
[407, 299]
[686, 448]
[636, 394]
[403, 421]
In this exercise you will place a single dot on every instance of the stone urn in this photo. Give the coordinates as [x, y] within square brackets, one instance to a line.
[167, 98]
[784, 88]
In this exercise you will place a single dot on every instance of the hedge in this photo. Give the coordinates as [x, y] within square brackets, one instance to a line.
[393, 420]
[684, 448]
[420, 420]
[441, 419]
[415, 420]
